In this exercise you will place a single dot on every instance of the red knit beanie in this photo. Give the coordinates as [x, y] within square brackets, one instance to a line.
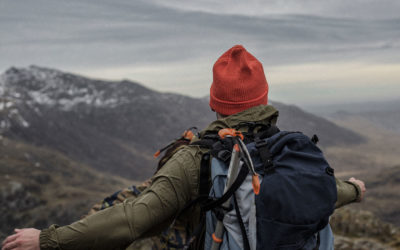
[239, 82]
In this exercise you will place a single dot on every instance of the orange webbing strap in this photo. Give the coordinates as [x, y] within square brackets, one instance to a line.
[188, 135]
[156, 154]
[230, 132]
[256, 184]
[216, 239]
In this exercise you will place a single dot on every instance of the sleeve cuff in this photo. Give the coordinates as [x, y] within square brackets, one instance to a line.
[48, 238]
[358, 191]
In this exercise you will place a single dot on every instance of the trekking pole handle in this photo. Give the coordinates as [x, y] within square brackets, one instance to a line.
[255, 181]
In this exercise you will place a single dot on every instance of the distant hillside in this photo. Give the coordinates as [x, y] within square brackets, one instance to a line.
[387, 119]
[376, 162]
[39, 187]
[293, 118]
[116, 127]
[384, 114]
[357, 107]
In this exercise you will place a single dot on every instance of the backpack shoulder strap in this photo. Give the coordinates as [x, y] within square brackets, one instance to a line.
[205, 172]
[262, 146]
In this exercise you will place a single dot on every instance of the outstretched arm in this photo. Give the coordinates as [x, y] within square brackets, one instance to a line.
[118, 226]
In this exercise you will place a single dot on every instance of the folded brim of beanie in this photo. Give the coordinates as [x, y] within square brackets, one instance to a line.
[225, 107]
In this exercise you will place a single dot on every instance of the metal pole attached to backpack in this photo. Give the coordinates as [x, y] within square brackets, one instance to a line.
[232, 173]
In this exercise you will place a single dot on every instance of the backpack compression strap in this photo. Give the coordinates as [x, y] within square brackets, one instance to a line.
[244, 170]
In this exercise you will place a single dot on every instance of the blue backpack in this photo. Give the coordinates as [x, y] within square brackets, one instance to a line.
[296, 197]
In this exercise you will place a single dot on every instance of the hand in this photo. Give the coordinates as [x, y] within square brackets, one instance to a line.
[361, 185]
[23, 239]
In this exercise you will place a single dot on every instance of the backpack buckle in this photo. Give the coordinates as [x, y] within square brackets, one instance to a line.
[224, 155]
[315, 139]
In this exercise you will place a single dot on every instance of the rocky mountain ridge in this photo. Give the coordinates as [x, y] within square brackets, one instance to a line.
[116, 126]
[112, 126]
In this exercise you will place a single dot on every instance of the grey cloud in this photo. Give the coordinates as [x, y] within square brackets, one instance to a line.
[87, 34]
[365, 9]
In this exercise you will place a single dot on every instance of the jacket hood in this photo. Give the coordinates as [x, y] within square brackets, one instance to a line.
[264, 114]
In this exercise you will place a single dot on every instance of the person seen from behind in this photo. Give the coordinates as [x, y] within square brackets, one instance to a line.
[238, 95]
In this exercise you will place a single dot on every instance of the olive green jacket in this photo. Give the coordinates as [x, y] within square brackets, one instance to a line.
[172, 187]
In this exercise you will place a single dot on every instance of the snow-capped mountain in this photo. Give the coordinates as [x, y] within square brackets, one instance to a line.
[112, 126]
[116, 126]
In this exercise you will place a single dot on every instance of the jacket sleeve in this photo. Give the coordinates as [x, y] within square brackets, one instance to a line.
[118, 197]
[347, 192]
[118, 226]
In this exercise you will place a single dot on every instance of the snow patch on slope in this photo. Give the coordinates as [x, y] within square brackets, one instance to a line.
[54, 88]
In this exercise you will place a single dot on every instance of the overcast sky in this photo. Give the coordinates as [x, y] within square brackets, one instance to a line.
[313, 51]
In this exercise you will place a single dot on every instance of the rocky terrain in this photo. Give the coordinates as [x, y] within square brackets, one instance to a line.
[383, 194]
[40, 186]
[357, 229]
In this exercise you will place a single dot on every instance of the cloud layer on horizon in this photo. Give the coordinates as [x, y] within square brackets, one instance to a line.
[357, 9]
